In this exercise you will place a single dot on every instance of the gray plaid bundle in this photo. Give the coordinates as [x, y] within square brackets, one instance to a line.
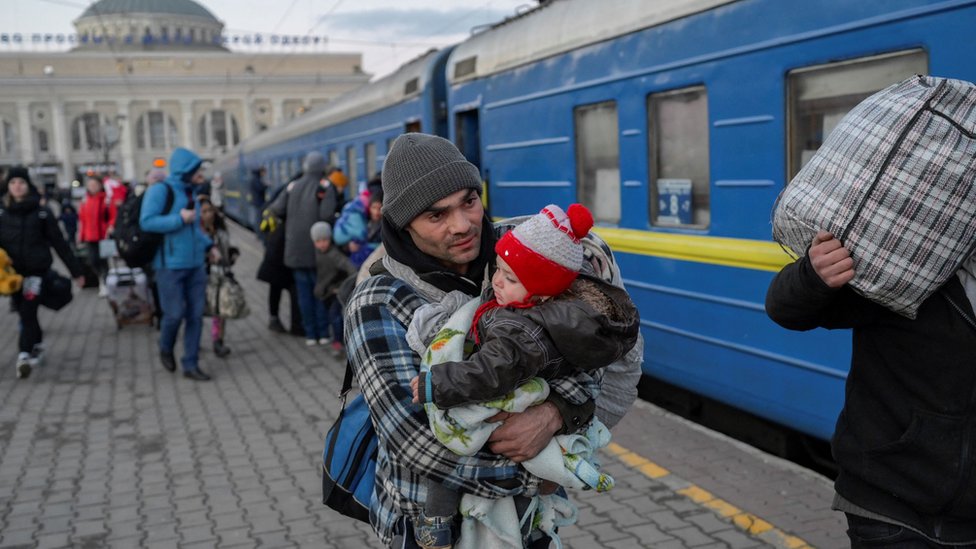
[896, 183]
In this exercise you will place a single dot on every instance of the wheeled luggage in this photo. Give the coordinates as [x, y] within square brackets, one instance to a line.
[129, 295]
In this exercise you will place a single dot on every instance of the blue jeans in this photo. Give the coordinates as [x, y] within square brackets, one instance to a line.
[334, 308]
[315, 316]
[182, 293]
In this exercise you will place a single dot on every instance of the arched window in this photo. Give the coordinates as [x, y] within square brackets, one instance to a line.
[86, 132]
[218, 128]
[7, 138]
[156, 130]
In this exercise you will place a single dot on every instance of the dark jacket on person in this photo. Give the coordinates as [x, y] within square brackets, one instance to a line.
[69, 219]
[332, 267]
[258, 190]
[906, 438]
[587, 327]
[28, 231]
[272, 269]
[306, 202]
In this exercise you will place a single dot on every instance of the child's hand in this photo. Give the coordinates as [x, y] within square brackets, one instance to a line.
[415, 386]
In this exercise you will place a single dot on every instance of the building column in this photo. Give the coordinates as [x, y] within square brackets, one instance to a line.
[277, 111]
[126, 143]
[186, 109]
[248, 119]
[62, 150]
[26, 152]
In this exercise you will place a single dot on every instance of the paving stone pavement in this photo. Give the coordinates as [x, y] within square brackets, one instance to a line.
[102, 447]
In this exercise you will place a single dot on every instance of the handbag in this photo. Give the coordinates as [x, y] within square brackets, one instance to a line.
[55, 290]
[349, 457]
[225, 296]
[107, 248]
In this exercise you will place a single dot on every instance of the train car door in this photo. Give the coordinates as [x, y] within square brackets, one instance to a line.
[467, 136]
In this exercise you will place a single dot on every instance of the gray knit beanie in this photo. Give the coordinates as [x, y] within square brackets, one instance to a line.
[419, 170]
[321, 231]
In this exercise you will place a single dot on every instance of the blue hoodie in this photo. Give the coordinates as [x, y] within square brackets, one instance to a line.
[185, 245]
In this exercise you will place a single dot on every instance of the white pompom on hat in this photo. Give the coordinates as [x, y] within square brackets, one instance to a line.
[545, 252]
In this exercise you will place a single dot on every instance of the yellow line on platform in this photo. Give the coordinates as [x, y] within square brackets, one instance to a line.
[747, 522]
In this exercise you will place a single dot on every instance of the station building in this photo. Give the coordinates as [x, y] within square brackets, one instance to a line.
[142, 77]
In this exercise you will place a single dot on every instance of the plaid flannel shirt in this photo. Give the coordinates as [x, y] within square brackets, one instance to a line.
[377, 318]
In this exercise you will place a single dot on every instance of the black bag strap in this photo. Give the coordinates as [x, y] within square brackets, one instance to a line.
[170, 198]
[346, 384]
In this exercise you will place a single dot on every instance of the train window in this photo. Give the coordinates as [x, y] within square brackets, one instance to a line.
[598, 160]
[333, 158]
[820, 96]
[369, 154]
[351, 170]
[465, 66]
[678, 140]
[411, 86]
[412, 126]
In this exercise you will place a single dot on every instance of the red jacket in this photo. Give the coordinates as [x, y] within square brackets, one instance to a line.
[118, 197]
[93, 218]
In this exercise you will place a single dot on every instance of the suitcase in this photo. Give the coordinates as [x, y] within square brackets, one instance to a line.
[129, 295]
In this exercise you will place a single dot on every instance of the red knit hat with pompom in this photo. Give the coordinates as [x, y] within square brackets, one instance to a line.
[545, 252]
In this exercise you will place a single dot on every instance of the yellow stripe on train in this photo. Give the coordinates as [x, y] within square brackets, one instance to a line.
[731, 252]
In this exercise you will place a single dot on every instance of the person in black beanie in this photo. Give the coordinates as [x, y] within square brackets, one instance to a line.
[438, 239]
[28, 231]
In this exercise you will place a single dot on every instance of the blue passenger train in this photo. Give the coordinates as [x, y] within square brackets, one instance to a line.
[677, 122]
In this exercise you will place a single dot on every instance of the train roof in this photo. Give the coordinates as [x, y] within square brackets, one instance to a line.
[559, 26]
[407, 82]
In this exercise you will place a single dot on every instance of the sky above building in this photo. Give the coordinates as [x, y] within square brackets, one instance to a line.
[387, 32]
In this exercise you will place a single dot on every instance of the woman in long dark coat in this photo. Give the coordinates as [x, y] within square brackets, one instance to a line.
[273, 271]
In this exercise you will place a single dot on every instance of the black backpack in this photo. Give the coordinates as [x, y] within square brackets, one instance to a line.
[136, 246]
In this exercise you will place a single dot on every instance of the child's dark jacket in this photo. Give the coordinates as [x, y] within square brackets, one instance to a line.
[331, 268]
[585, 328]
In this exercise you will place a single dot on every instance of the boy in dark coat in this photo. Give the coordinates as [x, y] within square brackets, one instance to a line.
[331, 268]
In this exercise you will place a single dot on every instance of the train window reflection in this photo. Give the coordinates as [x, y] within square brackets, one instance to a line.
[679, 172]
[820, 96]
[598, 160]
[350, 171]
[370, 155]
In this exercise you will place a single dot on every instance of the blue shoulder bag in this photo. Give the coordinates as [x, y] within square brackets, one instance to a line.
[349, 458]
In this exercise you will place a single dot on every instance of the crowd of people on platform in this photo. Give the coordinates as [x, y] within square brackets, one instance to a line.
[314, 241]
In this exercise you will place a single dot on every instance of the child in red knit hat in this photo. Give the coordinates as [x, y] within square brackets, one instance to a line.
[540, 318]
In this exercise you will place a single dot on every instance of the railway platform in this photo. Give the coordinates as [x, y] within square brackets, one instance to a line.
[102, 447]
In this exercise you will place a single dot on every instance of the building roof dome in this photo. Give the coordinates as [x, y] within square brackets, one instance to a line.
[148, 25]
[162, 7]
